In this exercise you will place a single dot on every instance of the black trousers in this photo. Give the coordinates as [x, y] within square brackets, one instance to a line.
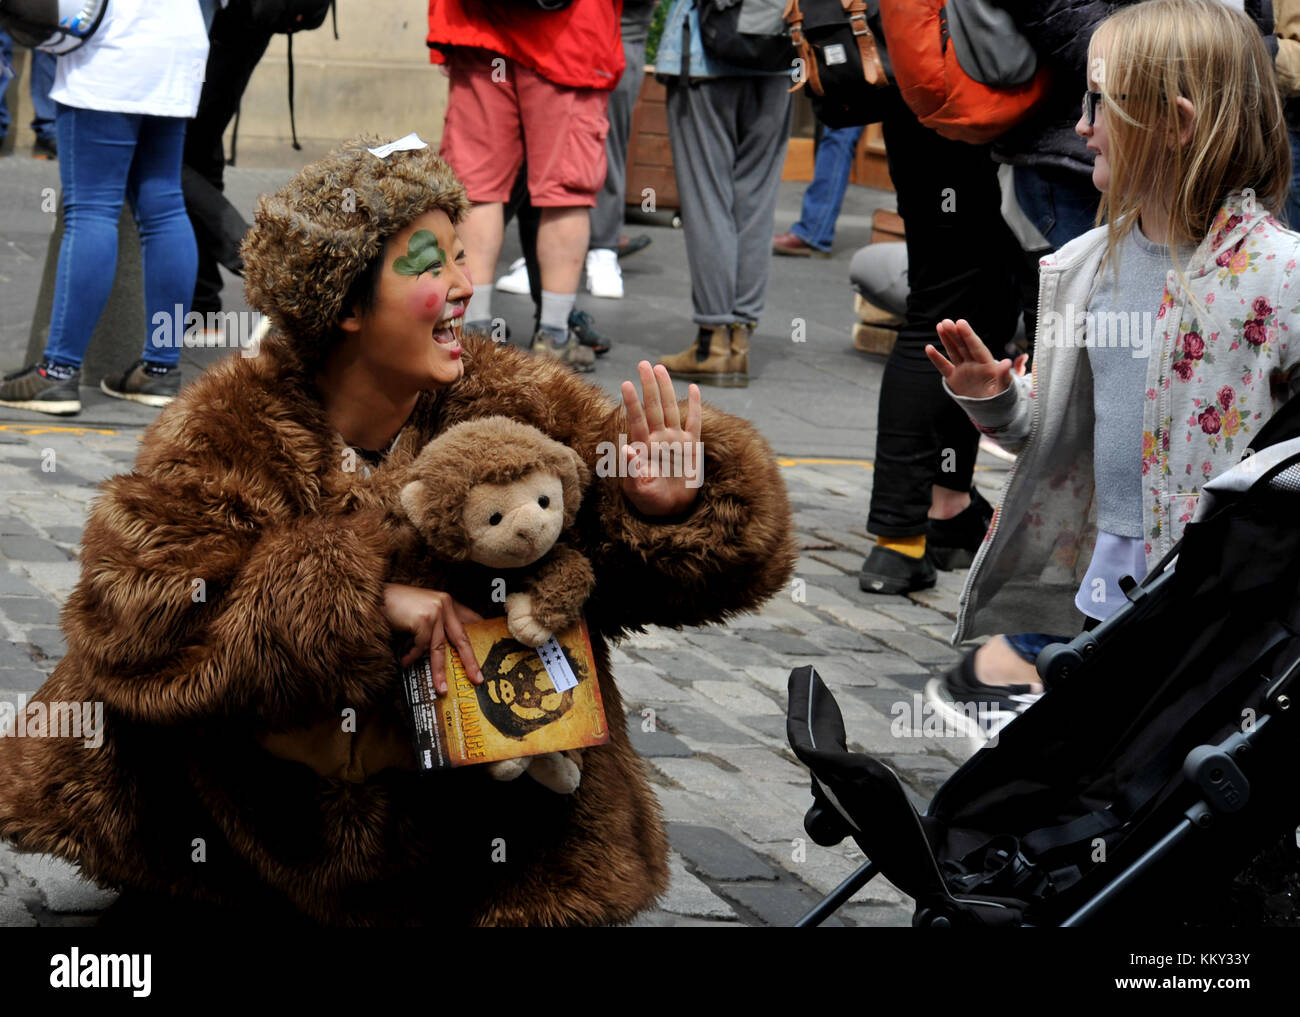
[963, 262]
[235, 45]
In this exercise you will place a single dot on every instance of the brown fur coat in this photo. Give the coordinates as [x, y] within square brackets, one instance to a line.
[239, 483]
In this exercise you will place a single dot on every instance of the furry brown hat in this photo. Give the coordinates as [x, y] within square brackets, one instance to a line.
[312, 238]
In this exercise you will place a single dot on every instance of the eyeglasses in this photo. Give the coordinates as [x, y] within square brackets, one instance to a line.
[1091, 100]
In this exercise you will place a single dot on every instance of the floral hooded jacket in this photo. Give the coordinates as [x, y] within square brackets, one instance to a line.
[1220, 360]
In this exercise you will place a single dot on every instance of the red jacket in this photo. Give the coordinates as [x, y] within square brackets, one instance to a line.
[580, 46]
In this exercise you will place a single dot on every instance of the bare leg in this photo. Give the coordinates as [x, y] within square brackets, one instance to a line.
[482, 232]
[997, 664]
[946, 503]
[562, 247]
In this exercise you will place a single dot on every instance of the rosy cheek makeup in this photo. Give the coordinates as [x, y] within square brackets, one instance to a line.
[427, 299]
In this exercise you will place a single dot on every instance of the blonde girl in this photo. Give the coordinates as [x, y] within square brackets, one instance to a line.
[1164, 338]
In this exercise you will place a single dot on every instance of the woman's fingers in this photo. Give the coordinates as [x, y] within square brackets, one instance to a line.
[1021, 361]
[637, 431]
[460, 640]
[667, 398]
[654, 411]
[694, 412]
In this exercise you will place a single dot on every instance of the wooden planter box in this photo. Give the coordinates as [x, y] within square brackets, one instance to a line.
[649, 154]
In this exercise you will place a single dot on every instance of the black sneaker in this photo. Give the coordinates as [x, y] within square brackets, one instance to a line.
[952, 543]
[34, 388]
[143, 386]
[582, 325]
[45, 148]
[628, 246]
[974, 710]
[889, 571]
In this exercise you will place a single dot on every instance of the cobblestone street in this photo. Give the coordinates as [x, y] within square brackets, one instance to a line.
[706, 707]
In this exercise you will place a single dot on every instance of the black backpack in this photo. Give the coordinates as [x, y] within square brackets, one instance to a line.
[746, 33]
[285, 17]
[844, 61]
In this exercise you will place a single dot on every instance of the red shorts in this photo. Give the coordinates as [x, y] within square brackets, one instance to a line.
[501, 113]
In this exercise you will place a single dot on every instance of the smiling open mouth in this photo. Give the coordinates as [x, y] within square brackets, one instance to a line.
[448, 332]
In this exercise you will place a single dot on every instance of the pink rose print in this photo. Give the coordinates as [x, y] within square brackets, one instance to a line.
[1184, 369]
[1193, 345]
[1209, 419]
[1261, 308]
[1226, 396]
[1255, 332]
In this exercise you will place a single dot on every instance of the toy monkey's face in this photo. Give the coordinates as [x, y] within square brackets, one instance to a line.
[509, 525]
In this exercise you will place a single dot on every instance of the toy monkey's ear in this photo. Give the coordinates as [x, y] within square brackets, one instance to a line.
[410, 498]
[580, 467]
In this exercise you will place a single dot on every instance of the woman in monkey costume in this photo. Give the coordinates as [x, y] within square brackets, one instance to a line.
[235, 604]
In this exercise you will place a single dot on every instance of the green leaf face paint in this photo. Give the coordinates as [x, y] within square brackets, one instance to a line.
[422, 252]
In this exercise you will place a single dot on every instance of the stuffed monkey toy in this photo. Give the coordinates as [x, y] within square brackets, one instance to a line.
[501, 494]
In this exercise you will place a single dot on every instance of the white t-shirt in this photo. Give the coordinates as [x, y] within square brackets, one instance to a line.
[148, 56]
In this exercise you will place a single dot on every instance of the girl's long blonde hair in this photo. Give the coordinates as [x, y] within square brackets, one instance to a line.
[1213, 56]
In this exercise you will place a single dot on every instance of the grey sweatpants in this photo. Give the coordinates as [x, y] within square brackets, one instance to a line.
[728, 139]
[607, 216]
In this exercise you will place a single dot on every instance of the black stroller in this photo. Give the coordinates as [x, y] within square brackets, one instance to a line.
[1163, 757]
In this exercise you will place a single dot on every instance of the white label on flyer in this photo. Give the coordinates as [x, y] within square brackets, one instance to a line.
[557, 665]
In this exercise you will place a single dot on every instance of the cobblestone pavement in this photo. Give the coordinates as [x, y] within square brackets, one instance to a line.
[705, 706]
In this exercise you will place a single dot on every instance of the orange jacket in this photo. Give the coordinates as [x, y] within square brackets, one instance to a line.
[580, 46]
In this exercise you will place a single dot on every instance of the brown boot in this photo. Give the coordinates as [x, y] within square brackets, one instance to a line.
[707, 361]
[740, 333]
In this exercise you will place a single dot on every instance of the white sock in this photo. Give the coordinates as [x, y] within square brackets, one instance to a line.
[555, 310]
[480, 304]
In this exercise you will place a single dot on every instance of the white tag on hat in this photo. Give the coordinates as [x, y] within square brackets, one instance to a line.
[407, 144]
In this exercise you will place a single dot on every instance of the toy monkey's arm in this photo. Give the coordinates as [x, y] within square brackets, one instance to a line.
[561, 588]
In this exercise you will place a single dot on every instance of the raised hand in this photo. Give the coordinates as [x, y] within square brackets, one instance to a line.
[971, 372]
[652, 427]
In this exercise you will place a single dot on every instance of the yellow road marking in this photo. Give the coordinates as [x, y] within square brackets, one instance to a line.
[47, 429]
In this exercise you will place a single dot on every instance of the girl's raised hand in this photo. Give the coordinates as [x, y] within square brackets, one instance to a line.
[969, 369]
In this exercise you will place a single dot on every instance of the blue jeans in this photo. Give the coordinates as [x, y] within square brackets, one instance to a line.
[42, 80]
[103, 158]
[43, 107]
[1293, 199]
[1061, 203]
[825, 195]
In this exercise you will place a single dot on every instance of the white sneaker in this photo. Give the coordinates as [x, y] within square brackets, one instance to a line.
[515, 280]
[604, 277]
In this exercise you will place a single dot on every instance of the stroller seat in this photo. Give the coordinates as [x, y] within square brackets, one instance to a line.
[1160, 757]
